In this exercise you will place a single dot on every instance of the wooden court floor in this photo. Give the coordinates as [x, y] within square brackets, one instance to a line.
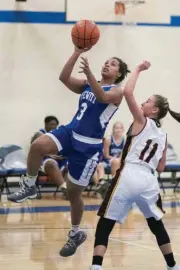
[32, 233]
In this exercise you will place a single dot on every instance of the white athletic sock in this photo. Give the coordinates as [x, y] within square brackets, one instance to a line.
[64, 185]
[96, 267]
[75, 229]
[31, 180]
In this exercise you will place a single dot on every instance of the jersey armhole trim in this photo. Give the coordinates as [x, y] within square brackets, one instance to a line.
[141, 129]
[165, 143]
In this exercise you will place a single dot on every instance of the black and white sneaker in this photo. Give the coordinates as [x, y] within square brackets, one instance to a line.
[23, 194]
[73, 243]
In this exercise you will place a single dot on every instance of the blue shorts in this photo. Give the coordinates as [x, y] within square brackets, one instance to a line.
[83, 153]
[107, 163]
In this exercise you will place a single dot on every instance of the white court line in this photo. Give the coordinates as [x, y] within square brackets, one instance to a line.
[137, 245]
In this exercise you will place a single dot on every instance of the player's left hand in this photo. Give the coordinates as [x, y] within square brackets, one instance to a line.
[84, 68]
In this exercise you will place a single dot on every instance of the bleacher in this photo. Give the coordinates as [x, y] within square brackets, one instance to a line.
[13, 168]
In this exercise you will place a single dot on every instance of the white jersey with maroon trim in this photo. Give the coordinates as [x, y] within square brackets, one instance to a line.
[147, 147]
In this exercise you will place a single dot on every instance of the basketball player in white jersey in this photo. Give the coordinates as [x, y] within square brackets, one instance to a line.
[135, 182]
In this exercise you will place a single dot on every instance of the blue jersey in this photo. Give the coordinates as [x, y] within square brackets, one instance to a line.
[43, 131]
[92, 116]
[116, 149]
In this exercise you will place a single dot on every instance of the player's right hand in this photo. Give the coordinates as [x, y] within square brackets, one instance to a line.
[80, 50]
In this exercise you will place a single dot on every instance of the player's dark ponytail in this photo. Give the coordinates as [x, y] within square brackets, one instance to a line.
[123, 69]
[175, 115]
[163, 106]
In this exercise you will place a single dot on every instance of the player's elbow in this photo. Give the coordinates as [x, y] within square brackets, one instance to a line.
[127, 92]
[107, 98]
[102, 98]
[62, 78]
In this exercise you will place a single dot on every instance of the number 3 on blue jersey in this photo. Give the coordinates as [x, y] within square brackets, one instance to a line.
[82, 111]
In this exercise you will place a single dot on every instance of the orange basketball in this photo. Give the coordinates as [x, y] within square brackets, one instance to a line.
[85, 34]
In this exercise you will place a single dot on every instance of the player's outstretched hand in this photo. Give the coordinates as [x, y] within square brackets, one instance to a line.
[79, 50]
[144, 66]
[84, 68]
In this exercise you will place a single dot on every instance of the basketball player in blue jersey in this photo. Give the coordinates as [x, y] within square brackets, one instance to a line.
[81, 139]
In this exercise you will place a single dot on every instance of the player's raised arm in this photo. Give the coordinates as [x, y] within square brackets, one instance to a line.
[74, 84]
[129, 89]
[110, 74]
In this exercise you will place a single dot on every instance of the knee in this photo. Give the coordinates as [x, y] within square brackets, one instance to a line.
[153, 225]
[100, 167]
[37, 146]
[158, 229]
[50, 165]
[74, 193]
[103, 231]
[74, 198]
[115, 162]
[44, 146]
[156, 226]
